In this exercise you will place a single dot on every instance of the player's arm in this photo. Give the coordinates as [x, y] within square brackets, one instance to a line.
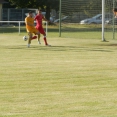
[45, 19]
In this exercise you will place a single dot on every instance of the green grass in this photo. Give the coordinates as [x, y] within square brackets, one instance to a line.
[73, 78]
[93, 31]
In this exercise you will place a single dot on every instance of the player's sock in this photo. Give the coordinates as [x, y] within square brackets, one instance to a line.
[28, 45]
[38, 39]
[45, 40]
[34, 37]
[39, 42]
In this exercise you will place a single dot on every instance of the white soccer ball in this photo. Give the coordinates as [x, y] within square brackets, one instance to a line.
[25, 38]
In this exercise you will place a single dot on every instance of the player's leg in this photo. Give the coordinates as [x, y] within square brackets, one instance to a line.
[41, 30]
[29, 39]
[34, 37]
[31, 31]
[45, 39]
[38, 39]
[36, 32]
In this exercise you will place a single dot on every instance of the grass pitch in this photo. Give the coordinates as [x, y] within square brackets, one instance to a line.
[72, 78]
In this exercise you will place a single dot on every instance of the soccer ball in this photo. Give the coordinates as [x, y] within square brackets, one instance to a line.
[25, 38]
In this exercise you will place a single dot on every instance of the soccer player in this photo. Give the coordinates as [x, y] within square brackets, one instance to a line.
[39, 17]
[29, 21]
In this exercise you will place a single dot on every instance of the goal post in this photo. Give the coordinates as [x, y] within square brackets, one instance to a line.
[75, 15]
[112, 6]
[59, 18]
[103, 19]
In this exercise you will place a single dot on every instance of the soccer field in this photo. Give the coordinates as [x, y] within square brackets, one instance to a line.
[73, 78]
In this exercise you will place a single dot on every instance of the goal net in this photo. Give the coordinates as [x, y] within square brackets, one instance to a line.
[84, 18]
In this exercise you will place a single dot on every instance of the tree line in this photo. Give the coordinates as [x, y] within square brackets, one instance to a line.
[85, 6]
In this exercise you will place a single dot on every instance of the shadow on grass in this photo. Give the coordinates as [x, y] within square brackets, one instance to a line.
[107, 44]
[57, 48]
[112, 45]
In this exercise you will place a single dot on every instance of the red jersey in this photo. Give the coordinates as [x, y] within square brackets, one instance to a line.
[39, 19]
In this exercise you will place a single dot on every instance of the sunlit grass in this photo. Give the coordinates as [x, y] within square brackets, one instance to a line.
[73, 78]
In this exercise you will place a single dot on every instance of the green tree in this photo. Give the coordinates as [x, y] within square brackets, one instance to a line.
[46, 5]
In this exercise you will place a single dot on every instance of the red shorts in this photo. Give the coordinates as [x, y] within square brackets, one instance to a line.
[40, 29]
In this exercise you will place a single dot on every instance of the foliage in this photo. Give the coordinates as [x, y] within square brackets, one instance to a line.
[35, 3]
[46, 5]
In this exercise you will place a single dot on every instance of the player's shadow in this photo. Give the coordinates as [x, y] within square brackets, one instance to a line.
[71, 48]
[61, 48]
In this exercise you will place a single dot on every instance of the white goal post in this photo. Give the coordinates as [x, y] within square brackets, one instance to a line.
[103, 19]
[19, 25]
[99, 13]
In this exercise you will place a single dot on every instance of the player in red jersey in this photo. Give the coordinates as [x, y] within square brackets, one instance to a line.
[39, 17]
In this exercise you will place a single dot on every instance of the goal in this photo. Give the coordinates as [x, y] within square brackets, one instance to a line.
[87, 16]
